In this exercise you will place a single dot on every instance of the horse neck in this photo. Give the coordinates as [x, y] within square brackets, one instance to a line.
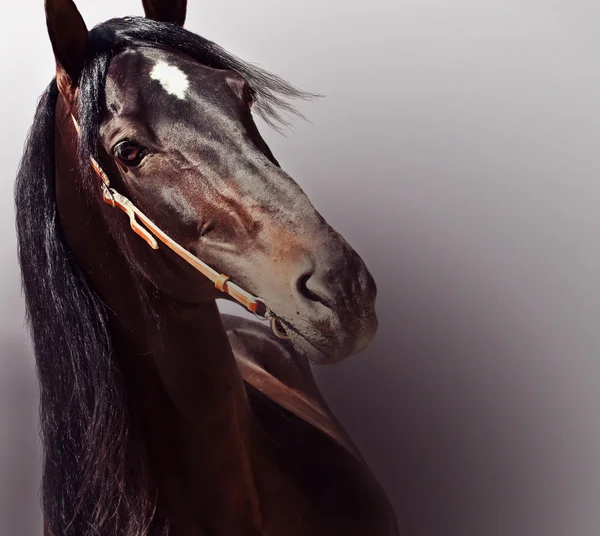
[178, 367]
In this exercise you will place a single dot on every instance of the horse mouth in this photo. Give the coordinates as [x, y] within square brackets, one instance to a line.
[302, 343]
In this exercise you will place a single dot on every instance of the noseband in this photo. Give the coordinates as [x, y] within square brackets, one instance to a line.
[150, 232]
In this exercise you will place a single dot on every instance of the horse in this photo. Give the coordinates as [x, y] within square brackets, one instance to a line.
[145, 193]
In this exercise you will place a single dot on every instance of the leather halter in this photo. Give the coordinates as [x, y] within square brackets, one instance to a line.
[150, 232]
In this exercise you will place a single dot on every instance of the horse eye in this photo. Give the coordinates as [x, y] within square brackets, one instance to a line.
[129, 153]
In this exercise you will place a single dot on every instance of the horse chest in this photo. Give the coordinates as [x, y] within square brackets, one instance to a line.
[313, 486]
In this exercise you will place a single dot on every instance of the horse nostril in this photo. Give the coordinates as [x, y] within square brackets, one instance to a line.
[313, 290]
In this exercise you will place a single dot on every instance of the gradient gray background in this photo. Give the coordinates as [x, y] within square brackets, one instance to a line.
[457, 150]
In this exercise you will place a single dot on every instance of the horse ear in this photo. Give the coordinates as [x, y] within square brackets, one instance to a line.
[69, 36]
[166, 10]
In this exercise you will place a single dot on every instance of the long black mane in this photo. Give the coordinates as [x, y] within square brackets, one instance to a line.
[95, 481]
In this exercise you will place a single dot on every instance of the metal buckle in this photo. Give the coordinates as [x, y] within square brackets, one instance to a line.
[272, 318]
[267, 314]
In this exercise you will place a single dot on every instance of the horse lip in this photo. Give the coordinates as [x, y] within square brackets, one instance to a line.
[289, 327]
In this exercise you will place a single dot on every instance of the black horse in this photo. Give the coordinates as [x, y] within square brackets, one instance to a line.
[160, 416]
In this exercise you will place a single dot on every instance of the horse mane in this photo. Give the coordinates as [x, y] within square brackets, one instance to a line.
[86, 423]
[95, 482]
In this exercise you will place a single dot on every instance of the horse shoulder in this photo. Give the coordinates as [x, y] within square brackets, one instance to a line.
[279, 372]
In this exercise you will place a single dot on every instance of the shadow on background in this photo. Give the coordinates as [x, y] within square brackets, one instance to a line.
[459, 408]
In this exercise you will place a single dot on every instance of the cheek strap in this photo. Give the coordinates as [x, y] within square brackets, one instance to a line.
[150, 232]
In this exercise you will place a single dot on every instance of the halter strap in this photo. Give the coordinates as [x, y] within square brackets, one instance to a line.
[150, 232]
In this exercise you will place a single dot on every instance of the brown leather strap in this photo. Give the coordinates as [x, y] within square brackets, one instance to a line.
[150, 232]
[220, 282]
